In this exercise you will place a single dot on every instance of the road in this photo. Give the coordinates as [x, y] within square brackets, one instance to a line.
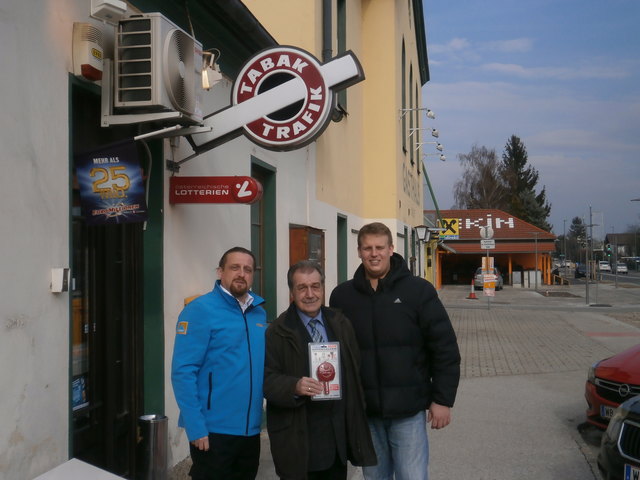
[521, 408]
[631, 278]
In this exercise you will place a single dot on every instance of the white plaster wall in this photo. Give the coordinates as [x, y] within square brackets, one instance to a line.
[196, 236]
[35, 46]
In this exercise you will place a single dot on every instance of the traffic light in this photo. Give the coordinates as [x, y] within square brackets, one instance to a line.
[607, 249]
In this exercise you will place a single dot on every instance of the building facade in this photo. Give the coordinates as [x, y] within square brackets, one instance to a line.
[517, 247]
[88, 352]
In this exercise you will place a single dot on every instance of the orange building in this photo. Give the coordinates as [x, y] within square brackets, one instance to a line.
[520, 248]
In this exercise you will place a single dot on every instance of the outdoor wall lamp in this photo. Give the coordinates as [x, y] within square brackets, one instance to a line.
[441, 157]
[210, 69]
[434, 133]
[423, 233]
[430, 113]
[438, 145]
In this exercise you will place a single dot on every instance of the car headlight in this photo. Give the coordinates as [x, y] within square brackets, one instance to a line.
[591, 376]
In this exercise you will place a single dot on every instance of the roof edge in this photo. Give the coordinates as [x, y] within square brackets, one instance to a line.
[421, 41]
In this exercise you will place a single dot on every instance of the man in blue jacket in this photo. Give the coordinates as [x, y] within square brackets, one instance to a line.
[217, 373]
[410, 362]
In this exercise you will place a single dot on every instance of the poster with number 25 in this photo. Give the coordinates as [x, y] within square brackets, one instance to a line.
[111, 185]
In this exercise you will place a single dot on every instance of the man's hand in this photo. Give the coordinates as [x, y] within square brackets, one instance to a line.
[201, 443]
[439, 416]
[308, 386]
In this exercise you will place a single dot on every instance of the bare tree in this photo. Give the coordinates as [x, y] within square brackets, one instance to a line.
[480, 185]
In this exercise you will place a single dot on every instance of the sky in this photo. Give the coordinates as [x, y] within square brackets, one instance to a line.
[562, 75]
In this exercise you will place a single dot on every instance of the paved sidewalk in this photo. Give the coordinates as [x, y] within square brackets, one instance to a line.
[525, 358]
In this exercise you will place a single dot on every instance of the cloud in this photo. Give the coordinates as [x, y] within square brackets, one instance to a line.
[455, 45]
[459, 44]
[516, 45]
[557, 73]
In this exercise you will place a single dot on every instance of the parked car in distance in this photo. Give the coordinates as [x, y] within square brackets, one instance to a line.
[580, 271]
[621, 268]
[603, 266]
[619, 456]
[478, 279]
[610, 382]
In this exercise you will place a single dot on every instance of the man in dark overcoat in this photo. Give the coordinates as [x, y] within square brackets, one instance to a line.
[313, 439]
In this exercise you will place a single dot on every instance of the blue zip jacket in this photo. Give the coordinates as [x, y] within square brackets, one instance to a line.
[218, 365]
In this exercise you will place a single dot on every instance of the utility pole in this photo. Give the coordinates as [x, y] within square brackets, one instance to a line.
[615, 258]
[564, 245]
[589, 254]
[536, 270]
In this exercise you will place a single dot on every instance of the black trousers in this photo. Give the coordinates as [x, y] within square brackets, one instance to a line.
[230, 457]
[337, 471]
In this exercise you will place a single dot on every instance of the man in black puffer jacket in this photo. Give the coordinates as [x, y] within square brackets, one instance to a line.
[410, 361]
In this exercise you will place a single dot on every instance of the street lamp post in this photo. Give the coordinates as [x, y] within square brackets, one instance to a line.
[635, 241]
[423, 234]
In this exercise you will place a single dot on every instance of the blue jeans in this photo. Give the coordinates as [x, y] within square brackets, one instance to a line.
[402, 448]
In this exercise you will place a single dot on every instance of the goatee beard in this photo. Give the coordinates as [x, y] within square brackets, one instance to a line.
[239, 290]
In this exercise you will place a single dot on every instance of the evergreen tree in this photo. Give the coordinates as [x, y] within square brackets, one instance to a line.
[577, 229]
[536, 214]
[576, 239]
[520, 182]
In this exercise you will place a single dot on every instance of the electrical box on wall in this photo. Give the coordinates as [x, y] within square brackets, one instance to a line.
[59, 280]
[110, 11]
[87, 51]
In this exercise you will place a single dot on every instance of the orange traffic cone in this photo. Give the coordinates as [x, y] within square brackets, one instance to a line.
[472, 295]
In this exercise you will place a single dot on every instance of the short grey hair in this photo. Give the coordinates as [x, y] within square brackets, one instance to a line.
[304, 266]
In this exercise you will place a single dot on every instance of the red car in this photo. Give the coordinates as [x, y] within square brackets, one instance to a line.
[612, 381]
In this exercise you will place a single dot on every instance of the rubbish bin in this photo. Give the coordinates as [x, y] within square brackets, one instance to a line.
[152, 447]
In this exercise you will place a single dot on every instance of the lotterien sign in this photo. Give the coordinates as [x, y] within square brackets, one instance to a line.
[214, 190]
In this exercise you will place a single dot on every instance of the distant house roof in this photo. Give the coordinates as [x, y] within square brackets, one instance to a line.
[621, 238]
[511, 234]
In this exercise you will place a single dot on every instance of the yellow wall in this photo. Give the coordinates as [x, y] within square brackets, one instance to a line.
[291, 22]
[360, 159]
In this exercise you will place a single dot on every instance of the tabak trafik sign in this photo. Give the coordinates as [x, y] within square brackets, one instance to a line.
[281, 100]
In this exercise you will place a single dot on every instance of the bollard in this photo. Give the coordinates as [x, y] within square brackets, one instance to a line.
[472, 295]
[152, 447]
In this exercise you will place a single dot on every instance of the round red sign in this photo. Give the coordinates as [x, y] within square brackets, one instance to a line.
[297, 73]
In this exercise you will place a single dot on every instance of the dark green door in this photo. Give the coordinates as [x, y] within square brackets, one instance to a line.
[106, 330]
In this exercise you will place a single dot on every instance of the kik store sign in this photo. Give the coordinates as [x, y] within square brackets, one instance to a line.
[453, 226]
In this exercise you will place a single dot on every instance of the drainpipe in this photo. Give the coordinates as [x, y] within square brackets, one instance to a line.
[433, 197]
[326, 30]
[337, 113]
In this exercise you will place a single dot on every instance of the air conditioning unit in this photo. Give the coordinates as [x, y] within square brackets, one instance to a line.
[157, 68]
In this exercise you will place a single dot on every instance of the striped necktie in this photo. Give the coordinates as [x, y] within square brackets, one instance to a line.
[315, 333]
